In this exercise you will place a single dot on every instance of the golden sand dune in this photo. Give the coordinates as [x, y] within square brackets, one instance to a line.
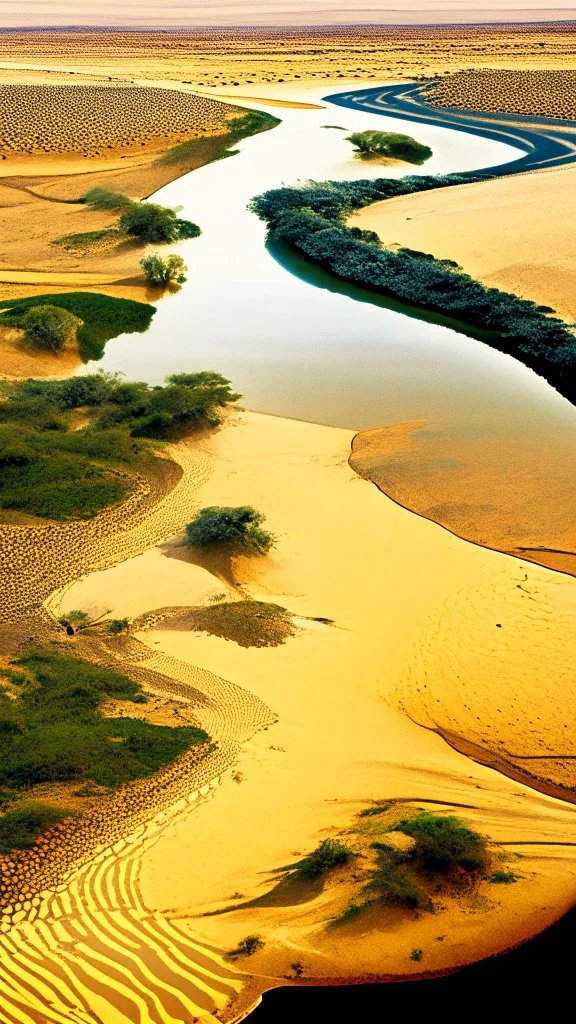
[516, 233]
[121, 934]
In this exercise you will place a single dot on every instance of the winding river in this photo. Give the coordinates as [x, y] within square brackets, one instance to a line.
[334, 355]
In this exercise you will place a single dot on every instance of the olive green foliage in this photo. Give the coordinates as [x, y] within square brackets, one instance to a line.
[443, 842]
[118, 625]
[151, 222]
[390, 144]
[55, 731]
[501, 877]
[50, 469]
[310, 219]
[237, 128]
[100, 198]
[330, 853]
[239, 526]
[20, 828]
[392, 882]
[49, 326]
[417, 955]
[162, 270]
[102, 316]
[86, 239]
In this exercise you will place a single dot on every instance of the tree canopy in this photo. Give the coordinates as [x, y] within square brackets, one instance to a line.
[239, 526]
[154, 223]
[390, 144]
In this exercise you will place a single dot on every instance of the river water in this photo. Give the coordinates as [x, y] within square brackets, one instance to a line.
[318, 353]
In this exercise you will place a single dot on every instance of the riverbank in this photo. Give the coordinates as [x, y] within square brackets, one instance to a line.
[341, 740]
[528, 248]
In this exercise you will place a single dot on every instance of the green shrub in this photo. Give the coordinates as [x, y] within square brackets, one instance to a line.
[100, 198]
[417, 955]
[390, 144]
[118, 625]
[239, 527]
[20, 828]
[151, 222]
[49, 326]
[248, 946]
[160, 271]
[330, 853]
[391, 883]
[503, 877]
[443, 842]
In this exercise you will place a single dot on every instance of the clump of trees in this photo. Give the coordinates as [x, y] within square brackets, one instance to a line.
[311, 220]
[390, 144]
[20, 828]
[239, 527]
[330, 853]
[49, 326]
[151, 222]
[162, 271]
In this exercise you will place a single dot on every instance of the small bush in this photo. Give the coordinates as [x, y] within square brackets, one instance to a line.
[160, 271]
[330, 853]
[49, 326]
[118, 625]
[391, 883]
[248, 946]
[239, 526]
[417, 955]
[503, 877]
[20, 828]
[151, 222]
[444, 842]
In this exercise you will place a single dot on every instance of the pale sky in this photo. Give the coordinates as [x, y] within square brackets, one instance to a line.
[269, 12]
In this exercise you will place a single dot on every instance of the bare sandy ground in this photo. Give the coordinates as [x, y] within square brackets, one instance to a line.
[515, 233]
[395, 587]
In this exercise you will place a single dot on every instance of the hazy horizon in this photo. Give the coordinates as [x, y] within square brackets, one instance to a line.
[138, 14]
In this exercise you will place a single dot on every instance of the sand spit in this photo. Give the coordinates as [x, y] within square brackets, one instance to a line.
[528, 249]
[308, 733]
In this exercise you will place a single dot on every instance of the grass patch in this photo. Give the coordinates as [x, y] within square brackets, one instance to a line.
[237, 128]
[49, 469]
[391, 881]
[54, 730]
[87, 239]
[247, 623]
[20, 828]
[103, 317]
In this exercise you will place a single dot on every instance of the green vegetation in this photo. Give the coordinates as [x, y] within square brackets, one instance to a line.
[417, 955]
[310, 219]
[86, 239]
[370, 812]
[102, 316]
[246, 623]
[100, 198]
[50, 469]
[49, 326]
[443, 842]
[503, 877]
[151, 222]
[118, 625]
[330, 853]
[237, 128]
[392, 883]
[239, 527]
[20, 828]
[54, 729]
[248, 946]
[161, 271]
[390, 144]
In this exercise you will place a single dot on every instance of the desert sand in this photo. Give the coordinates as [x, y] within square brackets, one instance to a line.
[399, 590]
[515, 233]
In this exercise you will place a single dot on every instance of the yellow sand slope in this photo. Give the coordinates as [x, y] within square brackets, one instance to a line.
[516, 233]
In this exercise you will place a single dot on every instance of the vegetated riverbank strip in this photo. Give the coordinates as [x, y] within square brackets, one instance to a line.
[310, 220]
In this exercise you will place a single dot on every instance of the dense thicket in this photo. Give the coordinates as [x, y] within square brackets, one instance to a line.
[311, 220]
[50, 468]
[390, 144]
[103, 317]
